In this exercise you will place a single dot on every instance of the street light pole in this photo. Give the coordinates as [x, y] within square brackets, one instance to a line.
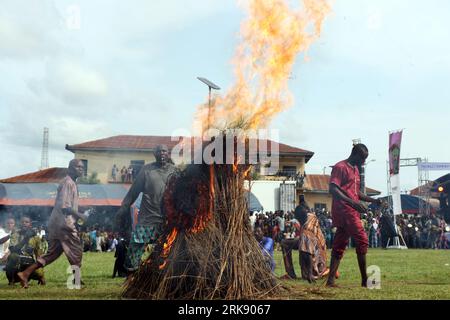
[211, 86]
[209, 108]
[363, 175]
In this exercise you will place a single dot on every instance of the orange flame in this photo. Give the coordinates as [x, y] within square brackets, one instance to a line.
[247, 171]
[163, 265]
[167, 246]
[170, 240]
[271, 38]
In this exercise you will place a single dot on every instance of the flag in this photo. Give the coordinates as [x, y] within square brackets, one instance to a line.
[395, 141]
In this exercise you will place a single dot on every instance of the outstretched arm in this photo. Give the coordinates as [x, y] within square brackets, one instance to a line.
[136, 188]
[123, 218]
[366, 198]
[79, 215]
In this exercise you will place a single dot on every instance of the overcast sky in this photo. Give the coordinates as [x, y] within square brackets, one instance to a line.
[131, 67]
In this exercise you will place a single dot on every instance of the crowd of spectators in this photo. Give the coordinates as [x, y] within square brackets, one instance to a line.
[124, 175]
[95, 239]
[421, 232]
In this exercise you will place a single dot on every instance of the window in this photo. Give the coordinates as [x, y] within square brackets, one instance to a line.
[137, 166]
[289, 171]
[85, 164]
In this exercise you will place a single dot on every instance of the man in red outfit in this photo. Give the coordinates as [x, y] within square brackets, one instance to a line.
[346, 209]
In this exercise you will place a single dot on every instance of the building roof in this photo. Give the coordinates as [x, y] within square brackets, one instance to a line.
[320, 183]
[149, 143]
[50, 175]
[44, 194]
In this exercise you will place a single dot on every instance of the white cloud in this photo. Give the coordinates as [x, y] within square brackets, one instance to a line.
[28, 30]
[68, 130]
[75, 83]
[375, 20]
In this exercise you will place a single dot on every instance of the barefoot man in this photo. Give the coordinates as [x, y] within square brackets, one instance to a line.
[346, 209]
[63, 235]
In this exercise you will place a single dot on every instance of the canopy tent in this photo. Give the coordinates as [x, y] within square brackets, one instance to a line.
[253, 202]
[411, 204]
[44, 194]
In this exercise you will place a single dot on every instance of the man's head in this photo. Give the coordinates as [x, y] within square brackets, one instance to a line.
[359, 154]
[301, 212]
[25, 222]
[76, 168]
[162, 154]
[10, 224]
[259, 234]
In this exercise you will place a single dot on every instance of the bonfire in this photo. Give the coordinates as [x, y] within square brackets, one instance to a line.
[208, 250]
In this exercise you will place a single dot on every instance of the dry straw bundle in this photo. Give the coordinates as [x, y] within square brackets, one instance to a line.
[208, 250]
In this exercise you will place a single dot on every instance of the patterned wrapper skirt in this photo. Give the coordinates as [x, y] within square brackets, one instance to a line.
[141, 244]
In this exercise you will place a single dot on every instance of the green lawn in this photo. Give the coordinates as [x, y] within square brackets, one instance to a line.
[407, 274]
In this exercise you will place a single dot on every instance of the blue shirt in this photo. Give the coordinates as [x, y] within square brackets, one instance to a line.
[266, 245]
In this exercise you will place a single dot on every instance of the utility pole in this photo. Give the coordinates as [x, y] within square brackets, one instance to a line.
[44, 154]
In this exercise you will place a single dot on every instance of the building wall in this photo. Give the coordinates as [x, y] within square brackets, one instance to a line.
[267, 192]
[297, 162]
[103, 161]
[313, 198]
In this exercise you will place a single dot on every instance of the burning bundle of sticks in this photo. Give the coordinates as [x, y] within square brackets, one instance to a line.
[208, 250]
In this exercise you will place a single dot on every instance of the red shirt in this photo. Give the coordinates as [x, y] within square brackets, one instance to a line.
[347, 178]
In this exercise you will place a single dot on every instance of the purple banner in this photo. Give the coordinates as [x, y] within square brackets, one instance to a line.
[395, 141]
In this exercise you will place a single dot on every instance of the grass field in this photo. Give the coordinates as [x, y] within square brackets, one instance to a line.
[406, 274]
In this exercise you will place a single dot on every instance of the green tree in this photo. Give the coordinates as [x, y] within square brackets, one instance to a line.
[92, 179]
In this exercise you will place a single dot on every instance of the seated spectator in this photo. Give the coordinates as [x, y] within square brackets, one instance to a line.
[266, 245]
[25, 247]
